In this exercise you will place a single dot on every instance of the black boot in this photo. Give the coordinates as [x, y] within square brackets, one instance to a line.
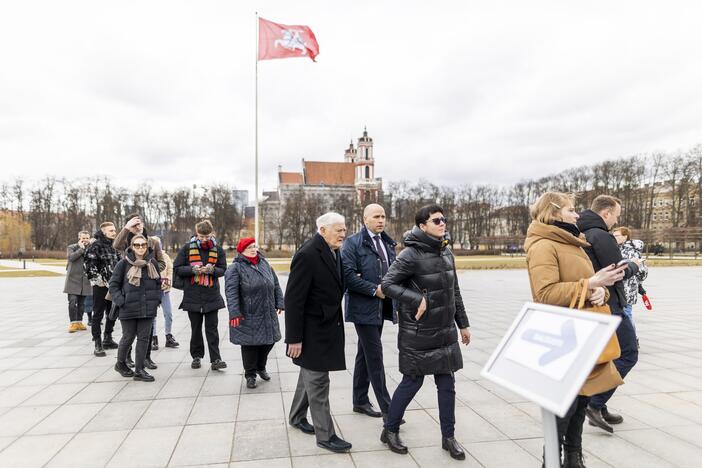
[143, 376]
[99, 351]
[171, 342]
[611, 418]
[108, 342]
[123, 369]
[149, 364]
[574, 459]
[154, 343]
[90, 319]
[393, 441]
[129, 361]
[453, 447]
[594, 417]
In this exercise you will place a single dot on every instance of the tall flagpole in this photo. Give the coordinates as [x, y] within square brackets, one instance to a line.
[256, 209]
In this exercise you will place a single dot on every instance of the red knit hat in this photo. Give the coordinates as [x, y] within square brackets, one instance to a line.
[243, 243]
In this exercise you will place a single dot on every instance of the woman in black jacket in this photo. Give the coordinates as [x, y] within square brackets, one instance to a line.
[197, 269]
[254, 300]
[135, 287]
[423, 280]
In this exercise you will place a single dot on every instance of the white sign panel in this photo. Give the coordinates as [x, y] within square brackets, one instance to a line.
[548, 352]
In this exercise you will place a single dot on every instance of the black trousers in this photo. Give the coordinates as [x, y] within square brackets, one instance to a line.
[408, 388]
[197, 346]
[570, 427]
[255, 358]
[141, 329]
[76, 304]
[100, 309]
[626, 334]
[369, 368]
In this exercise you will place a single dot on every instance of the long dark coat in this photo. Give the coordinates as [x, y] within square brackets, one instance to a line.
[198, 298]
[76, 280]
[313, 313]
[135, 301]
[426, 269]
[253, 293]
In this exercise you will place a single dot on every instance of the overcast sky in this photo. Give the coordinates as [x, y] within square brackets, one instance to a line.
[473, 92]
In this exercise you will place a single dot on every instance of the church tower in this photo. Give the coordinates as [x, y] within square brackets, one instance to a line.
[367, 186]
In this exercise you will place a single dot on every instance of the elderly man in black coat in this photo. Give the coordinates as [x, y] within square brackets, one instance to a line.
[314, 328]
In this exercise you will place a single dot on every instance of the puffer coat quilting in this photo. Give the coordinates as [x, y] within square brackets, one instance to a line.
[426, 268]
[135, 301]
[253, 293]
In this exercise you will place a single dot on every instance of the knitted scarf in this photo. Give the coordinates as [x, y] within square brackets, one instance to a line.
[203, 279]
[134, 272]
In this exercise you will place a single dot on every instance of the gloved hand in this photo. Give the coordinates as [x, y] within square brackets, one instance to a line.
[235, 322]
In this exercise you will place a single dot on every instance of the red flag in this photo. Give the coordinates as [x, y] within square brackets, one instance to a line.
[276, 41]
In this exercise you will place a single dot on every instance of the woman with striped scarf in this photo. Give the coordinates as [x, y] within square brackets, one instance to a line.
[199, 265]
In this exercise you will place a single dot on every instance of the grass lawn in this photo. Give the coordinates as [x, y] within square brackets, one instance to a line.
[27, 274]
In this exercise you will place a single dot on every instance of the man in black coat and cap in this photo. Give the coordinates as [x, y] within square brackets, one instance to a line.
[596, 224]
[314, 328]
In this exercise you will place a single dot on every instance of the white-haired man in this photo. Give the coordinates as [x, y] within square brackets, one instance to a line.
[314, 328]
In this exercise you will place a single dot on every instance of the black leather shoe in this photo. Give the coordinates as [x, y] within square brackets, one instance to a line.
[129, 362]
[335, 444]
[393, 441]
[196, 363]
[149, 364]
[154, 343]
[99, 351]
[368, 410]
[595, 418]
[124, 371]
[264, 375]
[304, 426]
[143, 376]
[611, 418]
[109, 343]
[250, 382]
[385, 419]
[453, 447]
[218, 364]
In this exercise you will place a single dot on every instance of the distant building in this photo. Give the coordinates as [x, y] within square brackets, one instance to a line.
[353, 179]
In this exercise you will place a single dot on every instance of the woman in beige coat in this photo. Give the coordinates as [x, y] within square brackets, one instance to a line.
[556, 263]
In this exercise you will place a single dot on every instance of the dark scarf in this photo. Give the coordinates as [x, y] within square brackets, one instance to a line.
[571, 228]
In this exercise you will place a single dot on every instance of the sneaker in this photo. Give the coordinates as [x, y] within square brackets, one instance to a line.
[154, 343]
[196, 363]
[218, 364]
[171, 342]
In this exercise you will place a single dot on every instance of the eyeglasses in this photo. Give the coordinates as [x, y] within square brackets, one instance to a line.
[139, 245]
[438, 221]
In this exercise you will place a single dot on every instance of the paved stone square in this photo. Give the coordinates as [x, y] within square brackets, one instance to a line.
[61, 406]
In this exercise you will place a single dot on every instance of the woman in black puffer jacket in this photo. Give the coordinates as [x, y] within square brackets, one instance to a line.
[135, 287]
[423, 281]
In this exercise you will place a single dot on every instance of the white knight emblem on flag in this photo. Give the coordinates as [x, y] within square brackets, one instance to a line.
[292, 41]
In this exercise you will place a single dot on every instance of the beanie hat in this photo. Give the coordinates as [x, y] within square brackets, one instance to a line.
[243, 243]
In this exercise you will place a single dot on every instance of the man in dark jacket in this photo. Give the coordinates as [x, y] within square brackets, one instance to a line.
[199, 265]
[77, 285]
[423, 280]
[596, 223]
[314, 328]
[367, 256]
[99, 262]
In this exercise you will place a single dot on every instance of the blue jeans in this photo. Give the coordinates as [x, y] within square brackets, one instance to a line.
[630, 355]
[167, 312]
[629, 312]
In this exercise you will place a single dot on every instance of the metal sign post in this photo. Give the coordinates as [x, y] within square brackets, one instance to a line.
[546, 356]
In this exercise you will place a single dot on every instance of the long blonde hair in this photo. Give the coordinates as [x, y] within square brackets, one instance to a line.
[547, 208]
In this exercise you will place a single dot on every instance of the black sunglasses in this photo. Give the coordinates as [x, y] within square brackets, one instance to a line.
[438, 221]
